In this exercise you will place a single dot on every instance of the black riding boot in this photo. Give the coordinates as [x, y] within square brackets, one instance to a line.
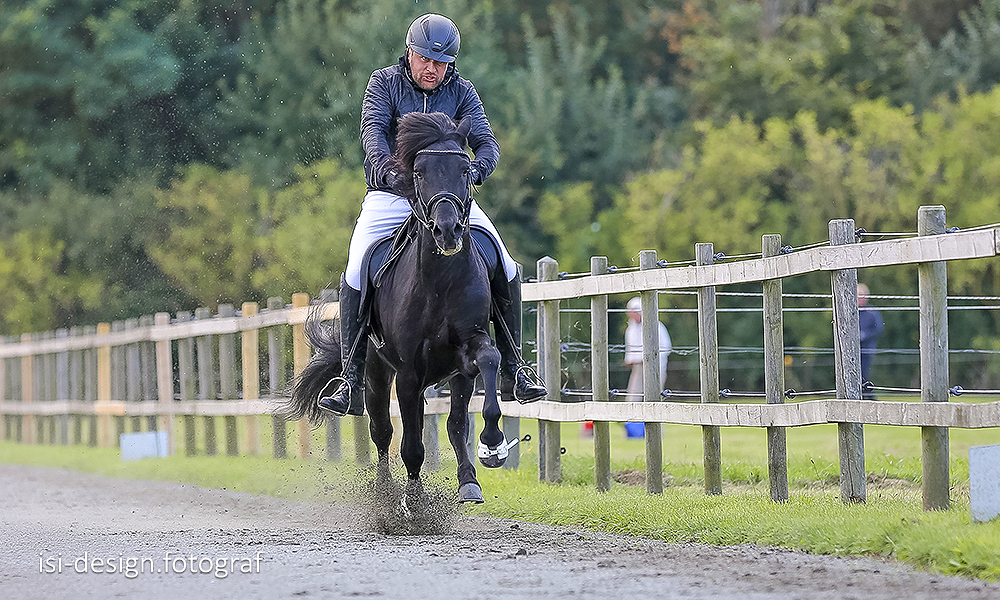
[348, 398]
[517, 380]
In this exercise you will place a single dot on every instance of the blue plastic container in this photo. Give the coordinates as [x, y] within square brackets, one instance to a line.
[635, 430]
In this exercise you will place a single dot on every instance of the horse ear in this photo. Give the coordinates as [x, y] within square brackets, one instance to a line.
[464, 127]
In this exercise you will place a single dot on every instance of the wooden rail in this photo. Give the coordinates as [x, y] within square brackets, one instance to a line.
[952, 246]
[92, 384]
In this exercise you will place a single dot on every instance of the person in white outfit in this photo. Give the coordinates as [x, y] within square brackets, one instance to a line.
[633, 350]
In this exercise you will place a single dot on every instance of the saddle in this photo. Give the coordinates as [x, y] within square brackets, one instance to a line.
[382, 256]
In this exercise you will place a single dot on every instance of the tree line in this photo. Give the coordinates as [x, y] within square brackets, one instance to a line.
[161, 154]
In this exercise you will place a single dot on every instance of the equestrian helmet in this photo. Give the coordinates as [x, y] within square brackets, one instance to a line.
[435, 37]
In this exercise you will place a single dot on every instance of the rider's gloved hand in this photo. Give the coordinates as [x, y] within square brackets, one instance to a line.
[388, 178]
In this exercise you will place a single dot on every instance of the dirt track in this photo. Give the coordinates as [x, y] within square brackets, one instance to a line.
[311, 551]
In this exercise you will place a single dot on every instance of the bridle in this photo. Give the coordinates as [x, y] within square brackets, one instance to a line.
[423, 210]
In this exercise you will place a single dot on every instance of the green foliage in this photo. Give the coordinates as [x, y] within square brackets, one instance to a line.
[210, 243]
[623, 126]
[35, 288]
[722, 191]
[310, 227]
[966, 59]
[570, 120]
[98, 91]
[849, 50]
[298, 95]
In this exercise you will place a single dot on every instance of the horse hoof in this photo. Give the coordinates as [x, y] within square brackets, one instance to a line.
[492, 461]
[470, 492]
[494, 457]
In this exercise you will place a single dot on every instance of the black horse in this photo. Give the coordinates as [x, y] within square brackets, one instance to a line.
[430, 313]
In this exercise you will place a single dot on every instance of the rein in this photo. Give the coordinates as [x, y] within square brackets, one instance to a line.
[422, 210]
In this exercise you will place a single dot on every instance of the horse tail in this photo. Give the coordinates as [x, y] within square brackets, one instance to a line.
[325, 364]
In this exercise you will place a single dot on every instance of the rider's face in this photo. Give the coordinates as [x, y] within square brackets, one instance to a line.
[427, 73]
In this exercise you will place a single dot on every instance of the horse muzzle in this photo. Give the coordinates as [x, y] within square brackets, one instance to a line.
[451, 251]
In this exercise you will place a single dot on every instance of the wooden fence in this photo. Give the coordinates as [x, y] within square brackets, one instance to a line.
[89, 385]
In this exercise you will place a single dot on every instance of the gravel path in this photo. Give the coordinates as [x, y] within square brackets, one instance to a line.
[183, 541]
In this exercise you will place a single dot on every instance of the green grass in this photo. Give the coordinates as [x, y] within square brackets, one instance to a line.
[890, 524]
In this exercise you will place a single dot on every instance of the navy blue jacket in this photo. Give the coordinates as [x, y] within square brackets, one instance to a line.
[870, 324]
[392, 93]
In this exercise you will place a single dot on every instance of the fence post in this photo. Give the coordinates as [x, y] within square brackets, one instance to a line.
[550, 444]
[708, 350]
[933, 290]
[133, 377]
[276, 343]
[76, 385]
[599, 376]
[186, 381]
[300, 358]
[334, 427]
[847, 350]
[90, 385]
[103, 388]
[62, 387]
[206, 377]
[652, 385]
[150, 387]
[3, 376]
[227, 380]
[165, 381]
[250, 354]
[28, 423]
[4, 418]
[118, 392]
[47, 384]
[774, 373]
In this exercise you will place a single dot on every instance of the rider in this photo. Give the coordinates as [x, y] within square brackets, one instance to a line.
[424, 80]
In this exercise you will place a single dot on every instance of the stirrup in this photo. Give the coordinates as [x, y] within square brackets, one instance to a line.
[531, 375]
[322, 396]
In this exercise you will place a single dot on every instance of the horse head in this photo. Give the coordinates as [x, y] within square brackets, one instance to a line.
[430, 148]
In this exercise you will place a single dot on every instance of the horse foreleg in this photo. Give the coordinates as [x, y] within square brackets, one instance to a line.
[458, 431]
[411, 411]
[492, 444]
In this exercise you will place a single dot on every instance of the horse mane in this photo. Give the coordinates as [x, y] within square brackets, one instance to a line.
[418, 131]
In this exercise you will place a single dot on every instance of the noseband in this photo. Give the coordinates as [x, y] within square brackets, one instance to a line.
[423, 210]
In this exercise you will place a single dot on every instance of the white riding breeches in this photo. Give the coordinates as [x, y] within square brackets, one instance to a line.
[383, 212]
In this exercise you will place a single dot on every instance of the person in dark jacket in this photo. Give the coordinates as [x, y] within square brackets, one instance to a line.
[425, 80]
[870, 324]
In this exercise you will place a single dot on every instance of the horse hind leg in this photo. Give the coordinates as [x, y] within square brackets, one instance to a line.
[377, 381]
